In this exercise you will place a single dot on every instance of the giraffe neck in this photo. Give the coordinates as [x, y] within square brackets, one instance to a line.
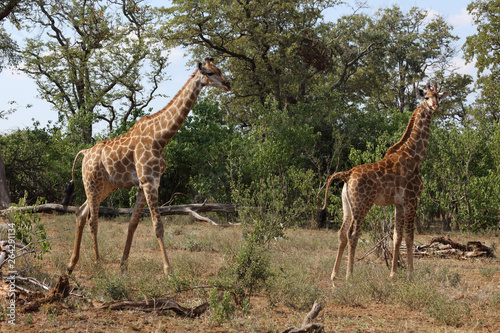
[172, 116]
[416, 137]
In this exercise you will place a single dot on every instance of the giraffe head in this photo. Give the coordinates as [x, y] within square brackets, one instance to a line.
[212, 76]
[432, 97]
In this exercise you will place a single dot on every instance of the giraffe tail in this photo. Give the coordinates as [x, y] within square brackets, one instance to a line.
[321, 217]
[69, 187]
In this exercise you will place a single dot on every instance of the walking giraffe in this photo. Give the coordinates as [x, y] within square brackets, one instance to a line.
[394, 180]
[136, 159]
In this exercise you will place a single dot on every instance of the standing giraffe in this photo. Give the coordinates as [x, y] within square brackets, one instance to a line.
[136, 159]
[394, 180]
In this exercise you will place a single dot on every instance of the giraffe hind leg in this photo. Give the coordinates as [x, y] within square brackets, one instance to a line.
[346, 225]
[81, 218]
[140, 202]
[94, 202]
[398, 238]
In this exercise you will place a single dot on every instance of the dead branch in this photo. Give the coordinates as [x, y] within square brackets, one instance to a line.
[191, 209]
[154, 305]
[60, 291]
[307, 325]
[470, 250]
[375, 247]
[448, 241]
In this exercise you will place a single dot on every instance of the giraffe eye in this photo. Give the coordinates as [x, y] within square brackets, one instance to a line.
[210, 73]
[427, 98]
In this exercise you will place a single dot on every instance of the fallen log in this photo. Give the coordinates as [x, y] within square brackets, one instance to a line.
[190, 209]
[154, 305]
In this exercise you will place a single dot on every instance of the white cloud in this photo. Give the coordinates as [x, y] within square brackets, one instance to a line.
[176, 54]
[465, 68]
[431, 13]
[464, 19]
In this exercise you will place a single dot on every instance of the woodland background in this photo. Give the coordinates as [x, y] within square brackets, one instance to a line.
[309, 98]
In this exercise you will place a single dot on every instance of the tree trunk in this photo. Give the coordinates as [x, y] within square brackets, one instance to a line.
[445, 221]
[4, 189]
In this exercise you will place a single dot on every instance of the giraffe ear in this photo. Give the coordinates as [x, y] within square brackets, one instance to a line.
[203, 70]
[420, 92]
[444, 95]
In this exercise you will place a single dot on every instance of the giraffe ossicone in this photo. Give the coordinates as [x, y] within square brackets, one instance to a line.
[394, 180]
[136, 159]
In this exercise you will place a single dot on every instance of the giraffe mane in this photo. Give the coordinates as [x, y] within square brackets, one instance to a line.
[405, 137]
[157, 113]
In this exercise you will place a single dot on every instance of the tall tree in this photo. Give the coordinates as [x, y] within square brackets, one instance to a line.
[274, 49]
[92, 60]
[484, 46]
[8, 56]
[414, 44]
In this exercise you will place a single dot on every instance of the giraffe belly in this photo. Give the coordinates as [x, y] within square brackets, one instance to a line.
[121, 178]
[388, 197]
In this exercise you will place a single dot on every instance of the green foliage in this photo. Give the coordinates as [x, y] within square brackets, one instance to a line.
[113, 287]
[29, 231]
[310, 98]
[270, 181]
[247, 274]
[221, 310]
[88, 65]
[37, 162]
[458, 175]
[264, 59]
[197, 157]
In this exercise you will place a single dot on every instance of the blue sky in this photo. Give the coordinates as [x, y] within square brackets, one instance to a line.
[16, 86]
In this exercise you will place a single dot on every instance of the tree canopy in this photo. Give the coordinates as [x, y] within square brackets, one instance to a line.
[96, 60]
[310, 97]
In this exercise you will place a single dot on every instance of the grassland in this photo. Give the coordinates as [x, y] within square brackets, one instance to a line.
[446, 295]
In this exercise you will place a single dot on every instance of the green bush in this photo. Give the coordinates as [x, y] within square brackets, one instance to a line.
[247, 274]
[221, 310]
[28, 229]
[113, 287]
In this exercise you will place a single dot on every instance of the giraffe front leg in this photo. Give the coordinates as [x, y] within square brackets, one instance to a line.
[409, 234]
[151, 194]
[398, 238]
[140, 202]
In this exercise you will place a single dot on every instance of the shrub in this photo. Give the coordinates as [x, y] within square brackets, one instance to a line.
[247, 274]
[113, 287]
[223, 309]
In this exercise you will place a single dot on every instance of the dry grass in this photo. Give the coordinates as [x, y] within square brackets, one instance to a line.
[447, 295]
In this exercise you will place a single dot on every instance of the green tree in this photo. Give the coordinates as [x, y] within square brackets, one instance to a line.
[484, 46]
[413, 43]
[197, 157]
[277, 49]
[36, 162]
[88, 59]
[457, 176]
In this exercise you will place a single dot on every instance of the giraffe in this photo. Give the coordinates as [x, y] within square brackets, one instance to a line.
[394, 180]
[136, 159]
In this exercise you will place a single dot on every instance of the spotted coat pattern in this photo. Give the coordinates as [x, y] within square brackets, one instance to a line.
[394, 180]
[136, 159]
